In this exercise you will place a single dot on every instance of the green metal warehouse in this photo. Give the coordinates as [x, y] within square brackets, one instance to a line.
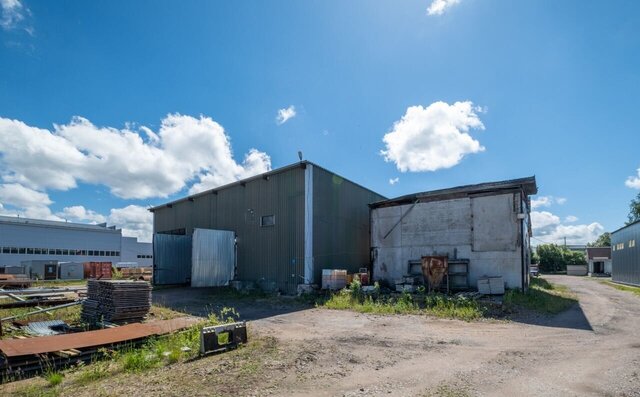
[289, 224]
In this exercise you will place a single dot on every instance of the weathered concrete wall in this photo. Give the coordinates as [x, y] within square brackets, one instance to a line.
[483, 229]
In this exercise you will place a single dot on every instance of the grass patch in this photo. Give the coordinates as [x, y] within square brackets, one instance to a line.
[38, 391]
[54, 378]
[542, 296]
[154, 353]
[622, 287]
[437, 305]
[59, 283]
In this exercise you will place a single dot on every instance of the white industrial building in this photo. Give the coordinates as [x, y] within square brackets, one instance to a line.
[486, 226]
[23, 239]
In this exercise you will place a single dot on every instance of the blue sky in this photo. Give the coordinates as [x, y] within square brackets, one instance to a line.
[473, 91]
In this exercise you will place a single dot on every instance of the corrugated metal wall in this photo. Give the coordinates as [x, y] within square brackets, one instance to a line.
[341, 225]
[271, 253]
[626, 258]
[213, 258]
[171, 259]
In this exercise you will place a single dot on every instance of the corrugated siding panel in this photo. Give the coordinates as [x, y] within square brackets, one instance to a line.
[171, 259]
[341, 225]
[626, 261]
[213, 258]
[274, 253]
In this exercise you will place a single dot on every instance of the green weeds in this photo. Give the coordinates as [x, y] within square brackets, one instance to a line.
[622, 287]
[439, 305]
[542, 296]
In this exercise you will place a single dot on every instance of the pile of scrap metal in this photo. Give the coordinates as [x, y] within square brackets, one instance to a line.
[25, 357]
[14, 281]
[38, 297]
[136, 273]
[116, 301]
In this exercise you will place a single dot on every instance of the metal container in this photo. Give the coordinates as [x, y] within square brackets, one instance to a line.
[13, 270]
[70, 271]
[41, 270]
[99, 270]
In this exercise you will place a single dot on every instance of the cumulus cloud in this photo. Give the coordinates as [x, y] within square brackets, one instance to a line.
[433, 137]
[633, 181]
[285, 114]
[571, 219]
[134, 220]
[16, 199]
[548, 227]
[547, 201]
[78, 213]
[438, 7]
[393, 181]
[185, 149]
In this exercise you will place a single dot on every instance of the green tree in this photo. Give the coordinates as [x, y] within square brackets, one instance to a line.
[604, 240]
[535, 259]
[634, 210]
[574, 258]
[551, 258]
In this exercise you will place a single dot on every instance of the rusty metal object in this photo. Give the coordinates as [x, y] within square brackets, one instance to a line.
[82, 340]
[434, 270]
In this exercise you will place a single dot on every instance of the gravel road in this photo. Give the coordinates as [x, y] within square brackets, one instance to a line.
[592, 349]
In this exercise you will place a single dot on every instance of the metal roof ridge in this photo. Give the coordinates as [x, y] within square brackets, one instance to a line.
[257, 176]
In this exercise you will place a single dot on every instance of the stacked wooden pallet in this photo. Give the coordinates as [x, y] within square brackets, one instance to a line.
[116, 301]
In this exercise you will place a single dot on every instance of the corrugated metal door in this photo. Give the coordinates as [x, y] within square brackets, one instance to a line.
[213, 257]
[171, 259]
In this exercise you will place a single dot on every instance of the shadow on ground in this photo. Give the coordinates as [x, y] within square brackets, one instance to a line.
[572, 318]
[203, 301]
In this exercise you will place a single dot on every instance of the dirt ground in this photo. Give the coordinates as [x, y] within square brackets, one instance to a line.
[592, 349]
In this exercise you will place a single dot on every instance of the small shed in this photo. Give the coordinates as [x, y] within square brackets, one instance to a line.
[486, 225]
[599, 260]
[70, 271]
[41, 269]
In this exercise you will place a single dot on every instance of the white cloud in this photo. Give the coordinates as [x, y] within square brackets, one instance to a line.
[547, 201]
[185, 149]
[433, 137]
[12, 13]
[633, 181]
[78, 213]
[393, 181]
[571, 219]
[25, 202]
[134, 220]
[438, 7]
[285, 114]
[548, 228]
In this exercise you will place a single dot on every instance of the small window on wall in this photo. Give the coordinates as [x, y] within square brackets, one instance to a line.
[268, 220]
[632, 243]
[6, 250]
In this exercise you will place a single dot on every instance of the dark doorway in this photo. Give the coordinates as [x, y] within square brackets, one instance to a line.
[598, 267]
